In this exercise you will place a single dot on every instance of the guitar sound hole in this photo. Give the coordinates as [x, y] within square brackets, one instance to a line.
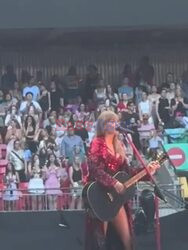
[110, 197]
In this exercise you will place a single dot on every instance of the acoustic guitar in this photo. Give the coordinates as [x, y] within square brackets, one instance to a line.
[104, 202]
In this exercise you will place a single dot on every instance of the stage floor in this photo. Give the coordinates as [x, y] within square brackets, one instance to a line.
[41, 231]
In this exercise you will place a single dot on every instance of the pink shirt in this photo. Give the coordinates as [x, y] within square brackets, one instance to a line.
[145, 130]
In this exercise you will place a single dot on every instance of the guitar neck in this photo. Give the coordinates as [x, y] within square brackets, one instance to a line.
[135, 178]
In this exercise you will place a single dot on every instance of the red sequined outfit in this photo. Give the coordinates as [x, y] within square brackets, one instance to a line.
[102, 163]
[102, 166]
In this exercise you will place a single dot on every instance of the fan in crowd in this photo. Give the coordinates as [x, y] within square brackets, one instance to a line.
[44, 125]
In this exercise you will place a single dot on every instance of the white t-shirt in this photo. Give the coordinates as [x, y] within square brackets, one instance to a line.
[23, 106]
[145, 107]
[34, 90]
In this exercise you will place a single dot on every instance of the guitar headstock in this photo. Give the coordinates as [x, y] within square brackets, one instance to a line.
[154, 165]
[161, 157]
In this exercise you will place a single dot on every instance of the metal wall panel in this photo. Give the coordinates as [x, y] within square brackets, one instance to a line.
[110, 61]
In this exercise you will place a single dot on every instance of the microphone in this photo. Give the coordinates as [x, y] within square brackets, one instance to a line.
[124, 130]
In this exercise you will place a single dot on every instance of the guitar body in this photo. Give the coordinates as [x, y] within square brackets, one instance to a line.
[104, 202]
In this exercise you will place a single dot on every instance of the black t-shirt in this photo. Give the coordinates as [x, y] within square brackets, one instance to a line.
[180, 110]
[130, 120]
[162, 109]
[82, 132]
[55, 99]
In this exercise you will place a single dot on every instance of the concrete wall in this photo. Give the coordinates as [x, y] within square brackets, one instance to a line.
[92, 13]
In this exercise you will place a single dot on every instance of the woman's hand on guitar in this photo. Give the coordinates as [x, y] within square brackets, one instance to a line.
[153, 166]
[119, 187]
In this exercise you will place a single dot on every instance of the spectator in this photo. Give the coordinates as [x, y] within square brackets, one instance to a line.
[16, 158]
[77, 181]
[185, 83]
[36, 188]
[29, 100]
[16, 92]
[80, 130]
[34, 165]
[112, 98]
[8, 79]
[43, 156]
[13, 115]
[144, 132]
[126, 89]
[13, 131]
[32, 88]
[145, 73]
[72, 85]
[154, 144]
[92, 79]
[81, 113]
[69, 142]
[122, 105]
[169, 80]
[30, 130]
[163, 110]
[11, 194]
[45, 99]
[25, 77]
[100, 94]
[32, 111]
[52, 180]
[145, 107]
[153, 98]
[90, 126]
[127, 73]
[55, 97]
[5, 104]
[50, 121]
[180, 106]
[130, 120]
[171, 93]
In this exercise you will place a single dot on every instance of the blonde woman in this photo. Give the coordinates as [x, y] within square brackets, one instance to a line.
[106, 158]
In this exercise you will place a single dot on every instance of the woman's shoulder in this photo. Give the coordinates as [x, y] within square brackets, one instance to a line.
[98, 141]
[97, 145]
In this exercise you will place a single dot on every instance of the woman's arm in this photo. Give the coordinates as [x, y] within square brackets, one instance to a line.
[7, 119]
[150, 108]
[49, 101]
[29, 168]
[157, 111]
[71, 175]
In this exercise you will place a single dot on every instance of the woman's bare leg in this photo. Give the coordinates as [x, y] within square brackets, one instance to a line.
[79, 203]
[105, 227]
[121, 225]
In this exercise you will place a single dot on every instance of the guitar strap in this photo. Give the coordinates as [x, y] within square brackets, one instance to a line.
[22, 160]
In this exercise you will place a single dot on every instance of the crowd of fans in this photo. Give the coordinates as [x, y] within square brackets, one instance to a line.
[46, 128]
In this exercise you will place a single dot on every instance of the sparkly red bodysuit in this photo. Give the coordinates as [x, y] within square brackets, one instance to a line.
[103, 165]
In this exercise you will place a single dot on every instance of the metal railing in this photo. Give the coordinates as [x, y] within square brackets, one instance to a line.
[71, 198]
[39, 199]
[173, 193]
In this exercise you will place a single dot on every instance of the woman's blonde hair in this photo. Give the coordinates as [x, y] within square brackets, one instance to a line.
[102, 121]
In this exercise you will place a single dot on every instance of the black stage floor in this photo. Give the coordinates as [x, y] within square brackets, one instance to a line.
[40, 231]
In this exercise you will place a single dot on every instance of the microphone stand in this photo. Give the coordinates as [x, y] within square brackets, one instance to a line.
[157, 191]
[159, 194]
[170, 161]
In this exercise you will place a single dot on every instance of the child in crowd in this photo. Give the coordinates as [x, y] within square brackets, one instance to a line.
[154, 144]
[11, 194]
